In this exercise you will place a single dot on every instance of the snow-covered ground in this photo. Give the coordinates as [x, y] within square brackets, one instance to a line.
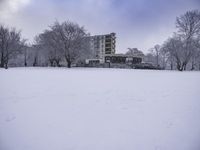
[99, 109]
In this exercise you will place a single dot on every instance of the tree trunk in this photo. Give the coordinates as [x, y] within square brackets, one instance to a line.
[25, 62]
[51, 62]
[35, 62]
[2, 61]
[184, 66]
[2, 65]
[157, 61]
[58, 63]
[171, 65]
[69, 64]
[180, 67]
[6, 62]
[6, 65]
[199, 66]
[192, 65]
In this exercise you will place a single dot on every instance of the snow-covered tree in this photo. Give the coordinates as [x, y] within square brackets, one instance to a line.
[64, 41]
[71, 38]
[183, 48]
[134, 51]
[188, 26]
[51, 47]
[156, 52]
[11, 44]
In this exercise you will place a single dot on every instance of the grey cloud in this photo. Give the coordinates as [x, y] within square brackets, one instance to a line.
[138, 23]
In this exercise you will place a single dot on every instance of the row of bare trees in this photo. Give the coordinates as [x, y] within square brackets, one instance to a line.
[62, 42]
[182, 50]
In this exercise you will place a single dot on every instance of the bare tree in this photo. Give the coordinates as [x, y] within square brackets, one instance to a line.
[71, 38]
[164, 59]
[64, 41]
[195, 59]
[182, 48]
[188, 26]
[168, 58]
[156, 51]
[174, 48]
[51, 46]
[25, 54]
[10, 44]
[157, 56]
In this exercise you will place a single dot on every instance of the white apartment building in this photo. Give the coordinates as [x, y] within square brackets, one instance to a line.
[103, 51]
[102, 45]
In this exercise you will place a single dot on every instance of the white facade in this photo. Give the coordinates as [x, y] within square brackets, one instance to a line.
[102, 45]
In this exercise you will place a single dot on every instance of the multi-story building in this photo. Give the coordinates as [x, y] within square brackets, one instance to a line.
[102, 45]
[103, 51]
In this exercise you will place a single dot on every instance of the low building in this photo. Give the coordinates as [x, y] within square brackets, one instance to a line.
[122, 58]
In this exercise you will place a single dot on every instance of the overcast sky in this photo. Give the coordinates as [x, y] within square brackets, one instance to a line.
[137, 23]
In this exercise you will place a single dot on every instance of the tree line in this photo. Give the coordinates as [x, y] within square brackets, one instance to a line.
[182, 50]
[65, 41]
[68, 42]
